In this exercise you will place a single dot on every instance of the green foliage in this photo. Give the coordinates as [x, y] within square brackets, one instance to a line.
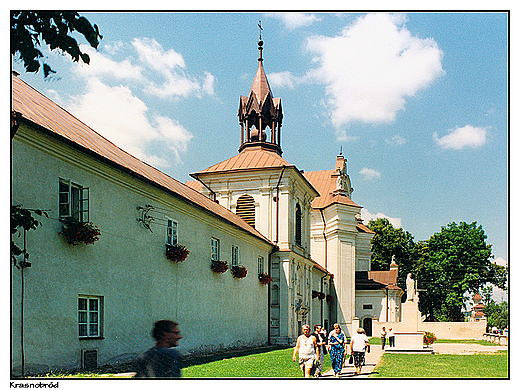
[429, 338]
[442, 366]
[30, 29]
[450, 263]
[389, 241]
[22, 219]
[497, 314]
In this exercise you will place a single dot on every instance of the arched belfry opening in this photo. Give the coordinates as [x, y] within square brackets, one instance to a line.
[246, 209]
[259, 114]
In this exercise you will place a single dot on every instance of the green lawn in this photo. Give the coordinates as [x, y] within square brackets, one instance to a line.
[442, 366]
[273, 364]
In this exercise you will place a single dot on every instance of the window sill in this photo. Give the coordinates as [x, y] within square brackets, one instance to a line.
[92, 338]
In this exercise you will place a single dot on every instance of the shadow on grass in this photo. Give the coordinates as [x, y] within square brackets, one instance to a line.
[202, 359]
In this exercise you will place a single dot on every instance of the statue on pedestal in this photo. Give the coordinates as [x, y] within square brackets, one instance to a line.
[410, 288]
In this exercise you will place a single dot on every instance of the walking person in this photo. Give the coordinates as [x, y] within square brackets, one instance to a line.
[391, 337]
[307, 350]
[358, 345]
[162, 361]
[321, 342]
[383, 337]
[337, 349]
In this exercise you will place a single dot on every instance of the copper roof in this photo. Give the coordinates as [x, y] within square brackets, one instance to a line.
[477, 297]
[40, 110]
[325, 183]
[195, 184]
[250, 158]
[363, 228]
[386, 277]
[260, 86]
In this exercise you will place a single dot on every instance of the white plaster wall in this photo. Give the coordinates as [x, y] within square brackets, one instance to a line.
[127, 266]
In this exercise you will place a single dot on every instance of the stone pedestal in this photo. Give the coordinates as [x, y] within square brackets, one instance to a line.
[410, 316]
[409, 342]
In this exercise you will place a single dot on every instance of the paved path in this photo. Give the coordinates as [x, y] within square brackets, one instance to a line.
[371, 360]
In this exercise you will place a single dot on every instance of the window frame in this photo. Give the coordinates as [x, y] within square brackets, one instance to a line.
[73, 200]
[260, 265]
[235, 255]
[215, 249]
[91, 322]
[169, 237]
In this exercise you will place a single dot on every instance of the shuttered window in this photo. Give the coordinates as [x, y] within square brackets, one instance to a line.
[246, 209]
[298, 230]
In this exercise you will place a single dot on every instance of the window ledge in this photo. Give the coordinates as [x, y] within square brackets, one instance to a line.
[92, 338]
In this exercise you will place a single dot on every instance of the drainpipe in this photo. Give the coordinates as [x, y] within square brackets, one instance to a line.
[278, 203]
[325, 259]
[386, 303]
[213, 196]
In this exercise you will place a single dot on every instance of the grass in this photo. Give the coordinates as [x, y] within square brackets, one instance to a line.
[482, 365]
[273, 364]
[277, 363]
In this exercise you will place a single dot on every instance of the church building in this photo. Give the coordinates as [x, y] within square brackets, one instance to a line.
[263, 244]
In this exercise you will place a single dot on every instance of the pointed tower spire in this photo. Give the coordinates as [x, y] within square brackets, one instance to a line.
[259, 111]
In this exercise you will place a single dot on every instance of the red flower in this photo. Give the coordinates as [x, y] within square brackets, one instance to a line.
[264, 278]
[75, 232]
[176, 253]
[238, 271]
[219, 266]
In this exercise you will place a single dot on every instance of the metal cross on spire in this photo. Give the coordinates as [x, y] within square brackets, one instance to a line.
[260, 29]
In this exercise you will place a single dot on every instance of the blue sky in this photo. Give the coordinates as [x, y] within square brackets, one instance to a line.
[417, 101]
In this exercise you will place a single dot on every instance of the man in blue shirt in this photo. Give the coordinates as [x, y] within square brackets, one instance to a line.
[162, 361]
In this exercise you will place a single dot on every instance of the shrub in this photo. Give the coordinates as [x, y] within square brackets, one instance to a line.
[429, 338]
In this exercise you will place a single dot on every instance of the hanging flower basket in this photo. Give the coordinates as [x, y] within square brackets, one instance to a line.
[176, 253]
[264, 278]
[315, 294]
[219, 266]
[329, 298]
[76, 232]
[429, 338]
[321, 295]
[238, 271]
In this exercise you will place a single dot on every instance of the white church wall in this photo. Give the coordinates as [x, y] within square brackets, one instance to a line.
[126, 268]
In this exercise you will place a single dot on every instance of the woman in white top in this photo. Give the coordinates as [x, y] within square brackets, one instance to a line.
[358, 344]
[307, 350]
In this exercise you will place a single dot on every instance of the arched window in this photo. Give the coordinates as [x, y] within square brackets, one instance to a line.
[298, 223]
[246, 209]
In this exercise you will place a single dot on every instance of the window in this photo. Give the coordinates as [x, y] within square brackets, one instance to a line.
[89, 316]
[298, 222]
[260, 265]
[234, 255]
[246, 209]
[171, 231]
[215, 249]
[73, 201]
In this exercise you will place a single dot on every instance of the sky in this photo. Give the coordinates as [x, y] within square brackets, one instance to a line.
[417, 102]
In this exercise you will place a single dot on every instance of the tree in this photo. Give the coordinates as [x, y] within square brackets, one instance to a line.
[389, 241]
[497, 314]
[29, 29]
[451, 262]
[22, 218]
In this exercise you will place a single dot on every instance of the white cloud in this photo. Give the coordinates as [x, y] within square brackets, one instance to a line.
[367, 216]
[370, 174]
[101, 64]
[372, 67]
[396, 140]
[117, 114]
[461, 137]
[293, 20]
[283, 79]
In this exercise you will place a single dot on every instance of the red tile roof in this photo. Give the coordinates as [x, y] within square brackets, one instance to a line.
[385, 277]
[38, 109]
[325, 183]
[250, 158]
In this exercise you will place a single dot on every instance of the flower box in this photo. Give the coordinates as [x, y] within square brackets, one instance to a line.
[264, 278]
[321, 295]
[176, 253]
[315, 294]
[219, 266]
[329, 298]
[76, 232]
[238, 271]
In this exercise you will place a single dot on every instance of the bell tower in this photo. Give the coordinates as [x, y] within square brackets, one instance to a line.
[259, 114]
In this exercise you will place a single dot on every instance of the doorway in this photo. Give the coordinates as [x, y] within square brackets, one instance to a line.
[367, 325]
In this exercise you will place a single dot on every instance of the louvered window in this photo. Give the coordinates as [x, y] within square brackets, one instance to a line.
[246, 209]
